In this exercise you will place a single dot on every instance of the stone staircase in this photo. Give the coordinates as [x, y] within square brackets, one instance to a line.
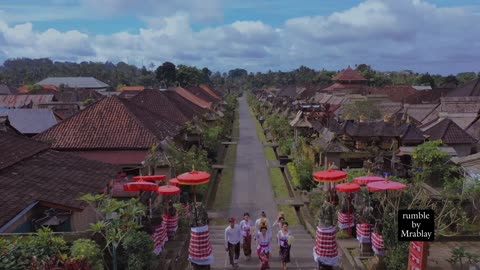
[301, 253]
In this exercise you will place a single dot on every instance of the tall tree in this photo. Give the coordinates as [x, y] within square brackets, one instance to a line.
[167, 73]
[188, 75]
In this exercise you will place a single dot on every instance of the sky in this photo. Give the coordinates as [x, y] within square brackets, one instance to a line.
[436, 36]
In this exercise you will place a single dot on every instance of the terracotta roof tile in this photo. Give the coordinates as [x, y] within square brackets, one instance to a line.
[40, 174]
[201, 93]
[396, 93]
[210, 91]
[189, 109]
[158, 102]
[111, 123]
[450, 133]
[340, 86]
[193, 98]
[21, 101]
[349, 74]
[132, 88]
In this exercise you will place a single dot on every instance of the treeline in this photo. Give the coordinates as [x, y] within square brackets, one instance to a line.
[25, 71]
[307, 76]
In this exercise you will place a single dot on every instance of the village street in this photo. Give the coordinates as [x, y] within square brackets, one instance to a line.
[253, 193]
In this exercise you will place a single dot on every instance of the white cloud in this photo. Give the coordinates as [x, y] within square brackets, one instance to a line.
[388, 34]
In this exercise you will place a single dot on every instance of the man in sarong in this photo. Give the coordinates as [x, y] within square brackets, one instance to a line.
[233, 242]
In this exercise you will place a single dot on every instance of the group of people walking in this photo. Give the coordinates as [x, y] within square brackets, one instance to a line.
[239, 236]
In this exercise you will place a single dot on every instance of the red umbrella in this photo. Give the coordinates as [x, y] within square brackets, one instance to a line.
[168, 190]
[363, 180]
[149, 178]
[348, 188]
[329, 176]
[140, 186]
[193, 178]
[174, 182]
[385, 185]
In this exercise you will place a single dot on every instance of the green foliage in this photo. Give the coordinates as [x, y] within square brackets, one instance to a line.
[138, 246]
[435, 168]
[211, 139]
[278, 183]
[466, 76]
[119, 219]
[293, 173]
[461, 256]
[167, 73]
[183, 161]
[316, 201]
[366, 108]
[33, 88]
[189, 75]
[342, 234]
[353, 173]
[89, 250]
[285, 145]
[279, 127]
[304, 168]
[18, 254]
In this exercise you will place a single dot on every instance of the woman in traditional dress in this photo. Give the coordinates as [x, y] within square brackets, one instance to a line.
[279, 223]
[246, 225]
[263, 246]
[283, 236]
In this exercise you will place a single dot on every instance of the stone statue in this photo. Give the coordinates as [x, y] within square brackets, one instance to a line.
[326, 215]
[200, 215]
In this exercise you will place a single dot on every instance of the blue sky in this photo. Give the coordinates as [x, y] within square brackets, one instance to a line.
[424, 35]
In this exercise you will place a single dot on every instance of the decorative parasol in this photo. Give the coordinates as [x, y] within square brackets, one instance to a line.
[149, 178]
[174, 182]
[364, 180]
[385, 186]
[329, 176]
[140, 186]
[348, 188]
[193, 178]
[168, 190]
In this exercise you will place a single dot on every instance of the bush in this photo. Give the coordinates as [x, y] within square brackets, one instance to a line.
[293, 173]
[304, 171]
[89, 250]
[138, 245]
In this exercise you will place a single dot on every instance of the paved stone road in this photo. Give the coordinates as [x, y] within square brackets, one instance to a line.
[252, 192]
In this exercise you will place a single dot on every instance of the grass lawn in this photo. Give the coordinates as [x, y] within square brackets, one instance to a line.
[223, 198]
[278, 183]
[258, 127]
[269, 153]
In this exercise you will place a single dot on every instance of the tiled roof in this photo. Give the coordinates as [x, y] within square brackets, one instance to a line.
[210, 91]
[6, 90]
[74, 82]
[35, 173]
[474, 129]
[471, 88]
[450, 133]
[288, 91]
[189, 109]
[132, 88]
[21, 101]
[349, 74]
[199, 92]
[6, 127]
[158, 102]
[111, 123]
[396, 93]
[16, 148]
[340, 86]
[419, 111]
[30, 121]
[383, 129]
[193, 98]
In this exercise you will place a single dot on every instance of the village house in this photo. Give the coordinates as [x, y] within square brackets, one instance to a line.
[42, 187]
[115, 131]
[86, 83]
[348, 81]
[30, 122]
